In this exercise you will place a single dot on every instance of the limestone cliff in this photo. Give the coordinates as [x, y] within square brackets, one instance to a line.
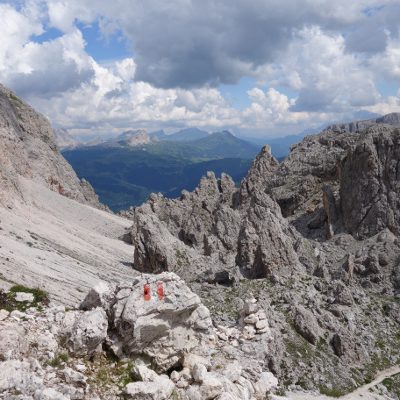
[28, 149]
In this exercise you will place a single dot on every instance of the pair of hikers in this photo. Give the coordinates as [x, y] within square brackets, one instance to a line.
[147, 291]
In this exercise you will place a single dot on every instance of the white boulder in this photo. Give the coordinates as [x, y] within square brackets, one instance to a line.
[23, 296]
[163, 328]
[85, 331]
[159, 389]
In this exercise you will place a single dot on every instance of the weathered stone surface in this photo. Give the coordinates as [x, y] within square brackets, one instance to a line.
[329, 202]
[142, 373]
[369, 183]
[266, 384]
[15, 374]
[50, 394]
[12, 341]
[85, 332]
[199, 373]
[4, 314]
[22, 296]
[100, 295]
[306, 324]
[163, 329]
[159, 389]
[211, 387]
[338, 345]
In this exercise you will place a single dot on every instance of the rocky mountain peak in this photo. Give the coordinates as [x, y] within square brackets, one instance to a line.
[134, 137]
[390, 119]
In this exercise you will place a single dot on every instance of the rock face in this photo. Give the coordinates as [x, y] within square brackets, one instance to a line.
[370, 184]
[28, 149]
[217, 230]
[161, 329]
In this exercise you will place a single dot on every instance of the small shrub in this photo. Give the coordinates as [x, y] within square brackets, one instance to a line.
[59, 360]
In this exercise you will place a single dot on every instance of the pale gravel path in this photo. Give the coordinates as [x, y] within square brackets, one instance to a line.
[362, 393]
[61, 246]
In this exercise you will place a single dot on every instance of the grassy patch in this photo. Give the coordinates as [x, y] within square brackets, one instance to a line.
[119, 374]
[59, 360]
[332, 392]
[299, 348]
[9, 303]
[392, 384]
[110, 372]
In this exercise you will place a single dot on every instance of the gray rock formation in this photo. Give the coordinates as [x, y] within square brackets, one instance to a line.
[392, 119]
[163, 330]
[217, 230]
[318, 236]
[370, 183]
[28, 149]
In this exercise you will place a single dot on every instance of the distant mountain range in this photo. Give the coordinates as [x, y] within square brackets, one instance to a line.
[132, 137]
[126, 169]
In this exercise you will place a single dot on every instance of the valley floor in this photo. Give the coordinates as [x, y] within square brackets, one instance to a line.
[61, 246]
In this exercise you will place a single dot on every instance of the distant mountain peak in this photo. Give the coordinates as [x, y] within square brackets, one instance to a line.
[135, 137]
[224, 133]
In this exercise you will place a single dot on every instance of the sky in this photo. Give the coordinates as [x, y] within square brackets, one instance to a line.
[262, 68]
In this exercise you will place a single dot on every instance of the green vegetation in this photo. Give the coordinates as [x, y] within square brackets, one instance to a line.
[15, 99]
[378, 363]
[9, 303]
[175, 395]
[113, 373]
[59, 360]
[392, 384]
[332, 392]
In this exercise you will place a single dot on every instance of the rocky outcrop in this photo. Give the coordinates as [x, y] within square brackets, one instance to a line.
[217, 230]
[28, 149]
[163, 329]
[392, 119]
[369, 183]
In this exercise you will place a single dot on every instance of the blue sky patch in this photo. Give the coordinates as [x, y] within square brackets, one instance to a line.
[103, 48]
